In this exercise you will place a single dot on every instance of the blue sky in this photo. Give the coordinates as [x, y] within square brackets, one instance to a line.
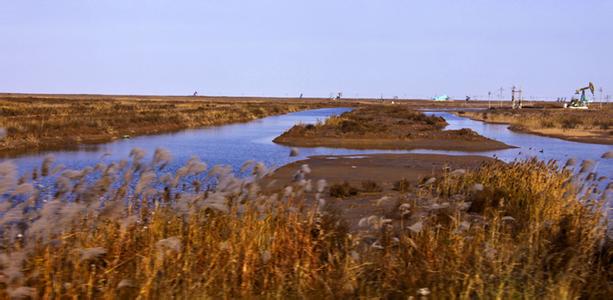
[278, 48]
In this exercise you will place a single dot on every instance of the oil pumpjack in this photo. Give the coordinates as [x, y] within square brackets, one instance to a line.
[581, 102]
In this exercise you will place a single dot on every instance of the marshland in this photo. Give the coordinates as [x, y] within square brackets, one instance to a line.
[591, 126]
[148, 222]
[306, 150]
[44, 122]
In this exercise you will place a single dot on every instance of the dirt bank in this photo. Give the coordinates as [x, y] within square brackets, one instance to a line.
[385, 170]
[386, 127]
[586, 126]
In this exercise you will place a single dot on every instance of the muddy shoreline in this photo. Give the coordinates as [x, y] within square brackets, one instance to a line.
[386, 128]
[383, 144]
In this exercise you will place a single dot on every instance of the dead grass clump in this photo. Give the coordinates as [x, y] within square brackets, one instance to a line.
[403, 185]
[342, 190]
[571, 122]
[369, 186]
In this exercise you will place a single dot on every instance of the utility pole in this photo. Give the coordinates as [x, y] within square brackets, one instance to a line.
[500, 90]
[601, 100]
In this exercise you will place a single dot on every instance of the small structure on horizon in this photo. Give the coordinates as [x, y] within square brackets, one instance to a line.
[441, 98]
[516, 98]
[583, 100]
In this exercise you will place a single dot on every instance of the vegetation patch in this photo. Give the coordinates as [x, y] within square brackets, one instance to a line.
[46, 122]
[137, 230]
[342, 190]
[370, 186]
[591, 126]
[386, 127]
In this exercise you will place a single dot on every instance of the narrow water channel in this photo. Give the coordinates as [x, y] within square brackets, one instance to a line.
[234, 144]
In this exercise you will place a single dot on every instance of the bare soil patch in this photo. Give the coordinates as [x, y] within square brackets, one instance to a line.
[387, 171]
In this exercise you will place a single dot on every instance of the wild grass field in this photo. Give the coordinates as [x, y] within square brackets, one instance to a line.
[133, 229]
[386, 127]
[590, 126]
[31, 123]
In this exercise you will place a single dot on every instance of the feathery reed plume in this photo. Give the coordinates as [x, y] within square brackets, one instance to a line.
[321, 185]
[430, 181]
[457, 173]
[8, 176]
[571, 162]
[172, 244]
[246, 165]
[586, 166]
[90, 254]
[417, 227]
[506, 230]
[161, 158]
[24, 188]
[126, 283]
[22, 292]
[144, 181]
[137, 154]
[260, 170]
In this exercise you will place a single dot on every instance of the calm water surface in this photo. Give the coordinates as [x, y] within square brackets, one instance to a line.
[234, 144]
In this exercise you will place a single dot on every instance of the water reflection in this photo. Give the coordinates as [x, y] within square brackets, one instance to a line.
[234, 144]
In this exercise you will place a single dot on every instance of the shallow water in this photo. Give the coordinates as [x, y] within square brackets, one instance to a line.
[530, 145]
[234, 144]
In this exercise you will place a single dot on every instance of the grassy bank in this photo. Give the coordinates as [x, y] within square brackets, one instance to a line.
[31, 123]
[588, 126]
[132, 229]
[386, 127]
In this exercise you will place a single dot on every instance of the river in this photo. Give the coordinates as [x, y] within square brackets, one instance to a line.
[236, 143]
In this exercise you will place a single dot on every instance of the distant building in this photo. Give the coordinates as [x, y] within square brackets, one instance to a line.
[441, 98]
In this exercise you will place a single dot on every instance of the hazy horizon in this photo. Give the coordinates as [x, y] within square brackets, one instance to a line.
[276, 48]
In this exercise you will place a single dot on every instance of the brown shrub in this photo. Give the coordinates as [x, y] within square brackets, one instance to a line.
[342, 190]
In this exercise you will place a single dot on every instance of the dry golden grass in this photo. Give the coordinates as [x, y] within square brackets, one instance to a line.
[41, 123]
[592, 126]
[132, 230]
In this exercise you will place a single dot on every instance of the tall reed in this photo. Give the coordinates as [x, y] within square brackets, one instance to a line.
[131, 229]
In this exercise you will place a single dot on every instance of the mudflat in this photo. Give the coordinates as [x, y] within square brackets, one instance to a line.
[386, 127]
[362, 171]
